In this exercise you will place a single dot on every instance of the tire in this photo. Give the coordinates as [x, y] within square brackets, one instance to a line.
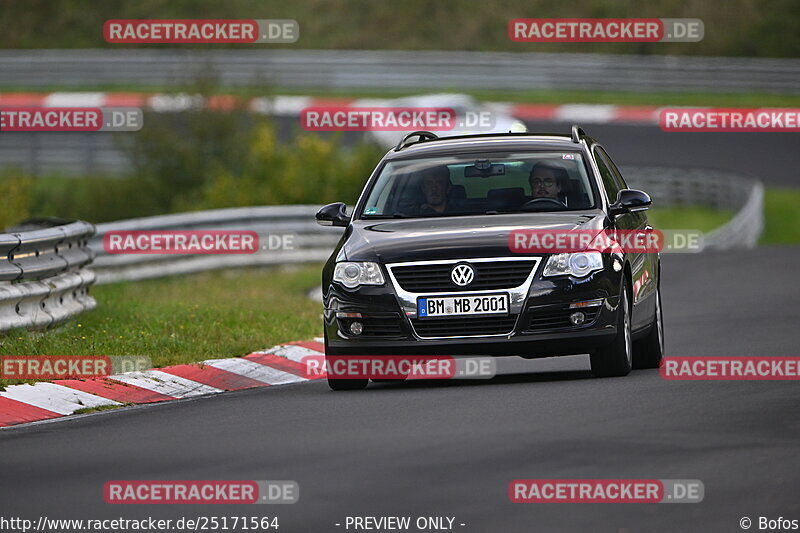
[388, 380]
[344, 384]
[616, 358]
[347, 384]
[647, 353]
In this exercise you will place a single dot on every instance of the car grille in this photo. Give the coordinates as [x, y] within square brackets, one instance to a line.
[558, 318]
[488, 275]
[464, 326]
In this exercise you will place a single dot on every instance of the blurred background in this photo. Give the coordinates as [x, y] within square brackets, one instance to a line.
[221, 125]
[222, 130]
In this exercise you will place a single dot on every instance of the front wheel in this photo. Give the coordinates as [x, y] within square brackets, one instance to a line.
[647, 353]
[342, 384]
[616, 358]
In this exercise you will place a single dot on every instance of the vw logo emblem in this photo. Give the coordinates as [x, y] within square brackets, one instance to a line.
[462, 275]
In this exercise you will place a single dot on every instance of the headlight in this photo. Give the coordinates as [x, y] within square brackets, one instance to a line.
[577, 264]
[351, 274]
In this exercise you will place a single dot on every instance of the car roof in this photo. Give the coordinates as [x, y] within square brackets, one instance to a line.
[490, 142]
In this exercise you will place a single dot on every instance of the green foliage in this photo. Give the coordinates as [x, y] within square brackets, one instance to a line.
[15, 190]
[95, 199]
[781, 224]
[179, 153]
[206, 160]
[311, 170]
[762, 28]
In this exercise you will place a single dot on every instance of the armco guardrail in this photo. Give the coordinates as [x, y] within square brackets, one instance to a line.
[711, 188]
[313, 243]
[43, 275]
[386, 69]
[309, 241]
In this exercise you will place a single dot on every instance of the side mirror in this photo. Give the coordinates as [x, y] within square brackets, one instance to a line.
[630, 201]
[334, 214]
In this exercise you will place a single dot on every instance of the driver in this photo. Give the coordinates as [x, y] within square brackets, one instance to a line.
[436, 187]
[546, 179]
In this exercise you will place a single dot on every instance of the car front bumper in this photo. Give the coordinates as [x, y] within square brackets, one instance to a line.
[540, 328]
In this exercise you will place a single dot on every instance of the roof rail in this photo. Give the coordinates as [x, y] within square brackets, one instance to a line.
[423, 136]
[577, 133]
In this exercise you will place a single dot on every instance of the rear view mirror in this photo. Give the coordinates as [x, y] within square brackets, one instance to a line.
[630, 201]
[484, 170]
[334, 214]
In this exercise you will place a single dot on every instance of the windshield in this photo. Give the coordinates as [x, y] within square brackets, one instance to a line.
[477, 184]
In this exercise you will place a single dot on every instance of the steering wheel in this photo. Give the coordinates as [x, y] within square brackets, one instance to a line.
[541, 202]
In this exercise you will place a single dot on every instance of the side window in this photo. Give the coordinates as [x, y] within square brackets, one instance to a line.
[614, 170]
[607, 175]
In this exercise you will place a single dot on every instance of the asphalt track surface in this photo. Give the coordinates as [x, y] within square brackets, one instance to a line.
[451, 448]
[771, 157]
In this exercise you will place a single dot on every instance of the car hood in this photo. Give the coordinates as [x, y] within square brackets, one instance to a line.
[392, 241]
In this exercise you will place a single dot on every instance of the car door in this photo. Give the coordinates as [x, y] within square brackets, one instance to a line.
[643, 265]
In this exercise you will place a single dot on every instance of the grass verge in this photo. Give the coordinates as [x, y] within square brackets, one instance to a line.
[704, 219]
[781, 224]
[186, 319]
[87, 410]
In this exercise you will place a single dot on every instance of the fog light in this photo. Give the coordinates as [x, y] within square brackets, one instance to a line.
[356, 328]
[577, 318]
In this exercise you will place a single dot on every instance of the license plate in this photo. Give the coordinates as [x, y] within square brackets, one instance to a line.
[482, 304]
